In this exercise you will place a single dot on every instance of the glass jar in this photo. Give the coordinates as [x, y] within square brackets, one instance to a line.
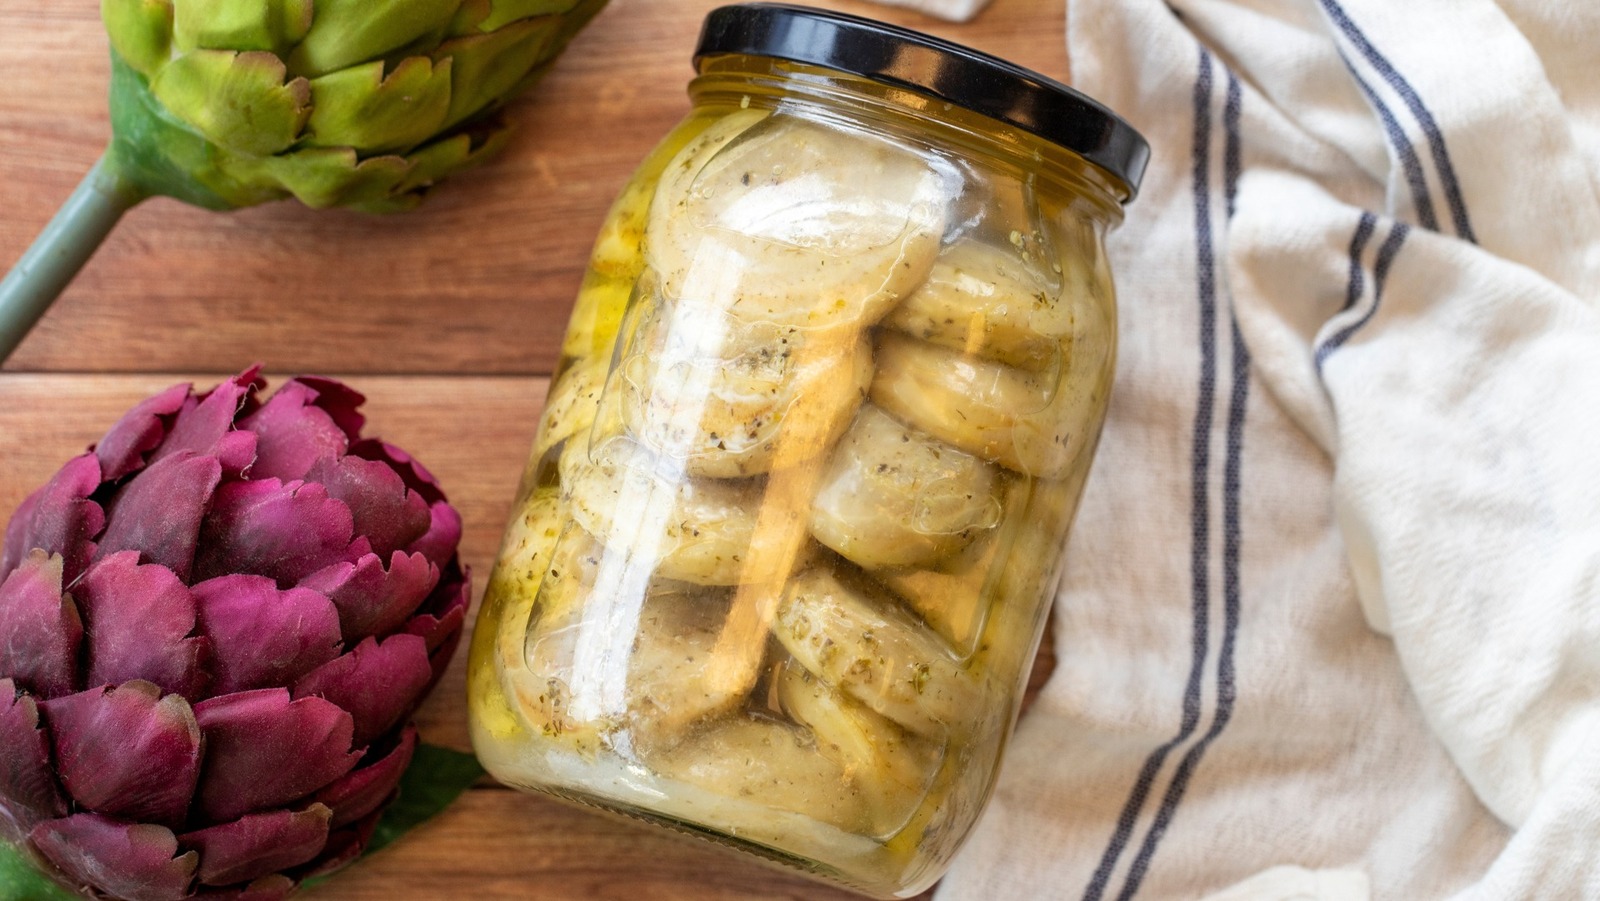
[791, 524]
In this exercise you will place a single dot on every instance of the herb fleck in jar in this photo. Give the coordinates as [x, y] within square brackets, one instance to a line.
[792, 521]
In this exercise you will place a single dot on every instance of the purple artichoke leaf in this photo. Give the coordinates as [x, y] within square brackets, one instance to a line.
[135, 862]
[268, 888]
[139, 622]
[443, 535]
[445, 610]
[59, 518]
[416, 476]
[28, 789]
[138, 432]
[341, 402]
[389, 515]
[127, 752]
[206, 428]
[40, 629]
[265, 750]
[378, 683]
[292, 434]
[442, 629]
[159, 511]
[434, 780]
[283, 530]
[258, 844]
[373, 600]
[364, 789]
[263, 637]
[345, 846]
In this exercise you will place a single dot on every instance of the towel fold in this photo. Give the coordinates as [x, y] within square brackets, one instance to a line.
[1330, 626]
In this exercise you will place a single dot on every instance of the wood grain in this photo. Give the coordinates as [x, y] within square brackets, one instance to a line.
[478, 280]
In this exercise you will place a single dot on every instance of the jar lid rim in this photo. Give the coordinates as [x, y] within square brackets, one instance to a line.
[969, 78]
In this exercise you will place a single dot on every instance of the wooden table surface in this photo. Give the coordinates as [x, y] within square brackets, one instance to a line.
[448, 318]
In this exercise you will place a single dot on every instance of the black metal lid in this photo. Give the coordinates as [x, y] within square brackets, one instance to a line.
[977, 81]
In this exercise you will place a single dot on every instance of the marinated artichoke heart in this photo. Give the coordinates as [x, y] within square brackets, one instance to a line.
[738, 404]
[863, 645]
[696, 530]
[893, 496]
[892, 769]
[1031, 423]
[987, 301]
[789, 222]
[571, 405]
[513, 586]
[601, 662]
[770, 766]
[952, 596]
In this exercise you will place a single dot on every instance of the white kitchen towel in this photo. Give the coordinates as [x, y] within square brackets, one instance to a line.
[1330, 626]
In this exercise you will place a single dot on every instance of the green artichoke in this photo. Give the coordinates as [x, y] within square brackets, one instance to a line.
[229, 103]
[360, 103]
[214, 627]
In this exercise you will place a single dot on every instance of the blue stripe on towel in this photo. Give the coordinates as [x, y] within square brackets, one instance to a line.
[1355, 284]
[1380, 272]
[1200, 501]
[1410, 163]
[1413, 101]
[1358, 244]
[1231, 532]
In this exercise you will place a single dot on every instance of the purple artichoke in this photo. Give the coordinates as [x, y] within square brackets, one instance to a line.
[214, 628]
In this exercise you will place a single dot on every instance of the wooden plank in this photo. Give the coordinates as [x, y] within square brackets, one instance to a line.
[478, 280]
[500, 845]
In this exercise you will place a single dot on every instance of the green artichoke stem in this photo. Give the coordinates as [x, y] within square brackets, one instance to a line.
[62, 248]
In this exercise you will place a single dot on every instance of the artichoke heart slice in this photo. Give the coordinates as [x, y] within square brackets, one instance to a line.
[601, 659]
[861, 643]
[767, 770]
[989, 301]
[895, 496]
[690, 529]
[891, 769]
[1029, 422]
[571, 404]
[732, 401]
[792, 221]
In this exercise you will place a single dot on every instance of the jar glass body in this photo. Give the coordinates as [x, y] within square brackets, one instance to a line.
[791, 526]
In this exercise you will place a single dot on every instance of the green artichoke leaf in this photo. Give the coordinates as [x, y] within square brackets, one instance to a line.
[273, 26]
[162, 155]
[358, 107]
[322, 177]
[238, 100]
[346, 32]
[140, 31]
[504, 12]
[456, 153]
[21, 881]
[489, 66]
